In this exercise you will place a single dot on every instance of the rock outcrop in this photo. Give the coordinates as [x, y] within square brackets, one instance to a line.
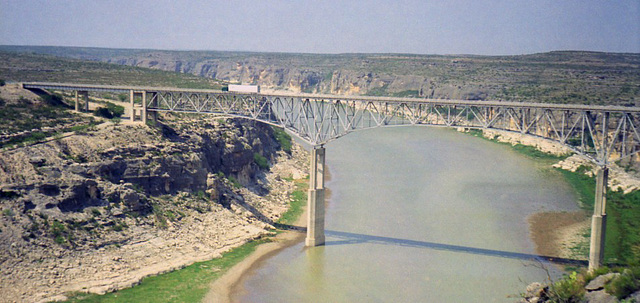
[100, 211]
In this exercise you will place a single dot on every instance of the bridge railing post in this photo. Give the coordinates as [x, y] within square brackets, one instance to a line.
[315, 202]
[599, 220]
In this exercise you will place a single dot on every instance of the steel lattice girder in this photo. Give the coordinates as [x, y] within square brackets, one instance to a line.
[602, 133]
[597, 132]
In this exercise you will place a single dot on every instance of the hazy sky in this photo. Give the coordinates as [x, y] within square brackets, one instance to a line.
[328, 26]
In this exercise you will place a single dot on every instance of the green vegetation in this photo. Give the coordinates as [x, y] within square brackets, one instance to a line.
[622, 243]
[569, 290]
[2, 82]
[298, 200]
[261, 161]
[189, 284]
[283, 138]
[408, 94]
[27, 118]
[8, 212]
[110, 111]
[234, 182]
[26, 67]
[59, 231]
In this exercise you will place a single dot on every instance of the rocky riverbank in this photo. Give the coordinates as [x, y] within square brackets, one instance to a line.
[100, 210]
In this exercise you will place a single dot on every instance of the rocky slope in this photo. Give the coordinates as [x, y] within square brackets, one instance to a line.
[99, 211]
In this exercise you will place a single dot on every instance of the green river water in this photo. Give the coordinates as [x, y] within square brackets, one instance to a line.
[418, 214]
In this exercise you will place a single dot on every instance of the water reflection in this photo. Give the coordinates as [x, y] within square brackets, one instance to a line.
[315, 279]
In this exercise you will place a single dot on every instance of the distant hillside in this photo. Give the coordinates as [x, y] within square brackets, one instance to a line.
[558, 77]
[30, 66]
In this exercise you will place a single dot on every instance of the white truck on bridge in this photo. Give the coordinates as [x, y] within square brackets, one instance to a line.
[244, 88]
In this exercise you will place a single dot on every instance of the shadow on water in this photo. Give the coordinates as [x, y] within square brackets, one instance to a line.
[346, 238]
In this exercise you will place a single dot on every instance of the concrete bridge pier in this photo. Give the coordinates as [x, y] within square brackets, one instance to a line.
[85, 98]
[315, 202]
[142, 109]
[143, 113]
[132, 115]
[599, 220]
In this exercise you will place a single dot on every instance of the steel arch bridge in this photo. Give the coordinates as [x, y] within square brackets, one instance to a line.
[601, 133]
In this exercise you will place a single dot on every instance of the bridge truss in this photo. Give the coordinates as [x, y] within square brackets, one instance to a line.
[601, 133]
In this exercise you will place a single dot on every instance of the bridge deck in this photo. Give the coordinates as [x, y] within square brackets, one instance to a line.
[126, 89]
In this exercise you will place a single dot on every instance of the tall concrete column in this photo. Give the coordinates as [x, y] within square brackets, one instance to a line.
[133, 110]
[77, 104]
[86, 100]
[144, 108]
[599, 220]
[315, 202]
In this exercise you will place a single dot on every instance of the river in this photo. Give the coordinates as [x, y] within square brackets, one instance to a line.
[418, 214]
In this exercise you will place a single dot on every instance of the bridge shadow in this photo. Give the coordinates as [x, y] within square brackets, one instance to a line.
[346, 238]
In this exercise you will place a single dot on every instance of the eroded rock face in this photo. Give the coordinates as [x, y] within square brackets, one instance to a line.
[100, 211]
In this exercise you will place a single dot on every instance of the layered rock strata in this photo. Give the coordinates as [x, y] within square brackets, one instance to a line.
[100, 211]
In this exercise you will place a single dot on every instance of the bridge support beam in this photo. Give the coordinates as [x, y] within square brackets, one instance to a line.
[599, 220]
[315, 202]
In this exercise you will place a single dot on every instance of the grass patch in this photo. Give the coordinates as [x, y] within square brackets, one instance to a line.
[622, 241]
[234, 182]
[283, 138]
[261, 161]
[298, 200]
[189, 284]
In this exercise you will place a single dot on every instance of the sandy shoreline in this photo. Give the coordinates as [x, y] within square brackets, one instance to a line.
[555, 234]
[222, 289]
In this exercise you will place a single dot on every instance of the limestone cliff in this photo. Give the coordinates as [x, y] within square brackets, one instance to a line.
[100, 210]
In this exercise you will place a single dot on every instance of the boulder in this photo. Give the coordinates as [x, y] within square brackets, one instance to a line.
[599, 297]
[599, 282]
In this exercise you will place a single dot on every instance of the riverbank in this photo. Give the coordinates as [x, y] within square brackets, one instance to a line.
[223, 288]
[230, 285]
[565, 234]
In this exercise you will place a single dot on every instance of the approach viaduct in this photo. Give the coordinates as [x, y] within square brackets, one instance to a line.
[602, 134]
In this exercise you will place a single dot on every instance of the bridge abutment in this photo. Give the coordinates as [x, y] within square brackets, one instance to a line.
[315, 202]
[599, 220]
